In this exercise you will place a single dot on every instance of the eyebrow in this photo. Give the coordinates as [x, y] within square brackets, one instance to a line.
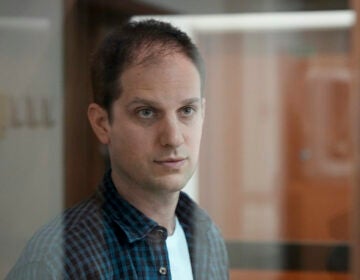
[144, 101]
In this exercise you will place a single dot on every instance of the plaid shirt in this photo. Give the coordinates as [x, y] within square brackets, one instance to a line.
[107, 238]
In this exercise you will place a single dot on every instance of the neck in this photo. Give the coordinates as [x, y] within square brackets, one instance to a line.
[158, 206]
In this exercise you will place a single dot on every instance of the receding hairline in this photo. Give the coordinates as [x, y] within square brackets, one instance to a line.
[149, 52]
[153, 53]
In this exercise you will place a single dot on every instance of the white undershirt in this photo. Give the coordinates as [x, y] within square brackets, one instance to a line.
[179, 257]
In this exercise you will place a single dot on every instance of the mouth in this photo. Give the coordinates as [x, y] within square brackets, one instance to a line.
[173, 163]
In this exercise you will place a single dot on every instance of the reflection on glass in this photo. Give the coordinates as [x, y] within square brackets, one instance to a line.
[277, 153]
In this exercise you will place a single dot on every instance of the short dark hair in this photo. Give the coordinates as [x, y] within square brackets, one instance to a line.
[136, 43]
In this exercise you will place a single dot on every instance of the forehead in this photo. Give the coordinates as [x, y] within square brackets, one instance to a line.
[161, 78]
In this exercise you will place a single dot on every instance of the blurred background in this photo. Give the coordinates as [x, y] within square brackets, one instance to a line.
[279, 160]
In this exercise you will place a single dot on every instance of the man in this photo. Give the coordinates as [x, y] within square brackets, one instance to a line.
[148, 109]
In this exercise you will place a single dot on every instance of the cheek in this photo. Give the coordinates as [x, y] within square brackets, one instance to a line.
[130, 140]
[194, 138]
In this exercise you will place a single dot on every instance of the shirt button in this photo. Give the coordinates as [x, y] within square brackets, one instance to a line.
[161, 234]
[162, 270]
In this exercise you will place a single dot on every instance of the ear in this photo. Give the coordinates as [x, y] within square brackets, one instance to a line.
[99, 121]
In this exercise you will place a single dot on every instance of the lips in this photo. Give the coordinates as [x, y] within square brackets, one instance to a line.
[173, 163]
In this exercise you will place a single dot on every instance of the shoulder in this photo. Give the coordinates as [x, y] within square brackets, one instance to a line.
[84, 218]
[62, 238]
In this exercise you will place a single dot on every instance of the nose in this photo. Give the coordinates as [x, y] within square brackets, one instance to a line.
[171, 134]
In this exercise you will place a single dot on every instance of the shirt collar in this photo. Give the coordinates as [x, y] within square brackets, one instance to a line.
[191, 217]
[135, 224]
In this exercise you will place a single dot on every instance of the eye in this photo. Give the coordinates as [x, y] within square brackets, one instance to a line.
[146, 113]
[187, 111]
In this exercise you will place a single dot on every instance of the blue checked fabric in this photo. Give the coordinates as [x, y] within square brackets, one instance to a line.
[107, 238]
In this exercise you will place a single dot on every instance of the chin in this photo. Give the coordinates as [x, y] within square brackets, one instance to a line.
[172, 184]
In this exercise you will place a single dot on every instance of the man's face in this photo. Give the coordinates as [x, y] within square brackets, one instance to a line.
[154, 137]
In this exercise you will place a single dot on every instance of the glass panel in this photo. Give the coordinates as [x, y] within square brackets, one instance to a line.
[277, 155]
